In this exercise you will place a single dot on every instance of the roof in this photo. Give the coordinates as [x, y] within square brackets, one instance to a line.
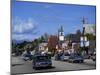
[43, 44]
[89, 28]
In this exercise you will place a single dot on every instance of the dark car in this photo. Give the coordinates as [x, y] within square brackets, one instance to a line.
[93, 57]
[41, 61]
[76, 58]
[86, 56]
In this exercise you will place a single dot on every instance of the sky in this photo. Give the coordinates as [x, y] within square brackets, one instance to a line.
[30, 20]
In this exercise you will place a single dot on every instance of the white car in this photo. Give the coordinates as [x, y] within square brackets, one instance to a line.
[65, 57]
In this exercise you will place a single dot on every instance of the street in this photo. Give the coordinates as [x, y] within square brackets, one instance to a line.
[20, 66]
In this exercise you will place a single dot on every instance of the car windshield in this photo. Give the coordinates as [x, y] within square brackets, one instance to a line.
[42, 58]
[66, 54]
[75, 55]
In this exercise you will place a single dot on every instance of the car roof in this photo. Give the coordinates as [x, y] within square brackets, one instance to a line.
[39, 55]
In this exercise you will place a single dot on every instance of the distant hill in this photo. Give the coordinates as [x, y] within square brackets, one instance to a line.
[20, 41]
[17, 41]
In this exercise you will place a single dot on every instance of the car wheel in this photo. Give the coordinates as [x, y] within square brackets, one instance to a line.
[69, 61]
[36, 68]
[94, 60]
[81, 61]
[33, 67]
[49, 66]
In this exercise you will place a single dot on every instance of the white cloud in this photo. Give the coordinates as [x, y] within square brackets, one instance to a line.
[21, 25]
[24, 29]
[23, 37]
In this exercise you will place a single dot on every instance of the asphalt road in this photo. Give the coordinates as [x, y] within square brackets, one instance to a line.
[20, 66]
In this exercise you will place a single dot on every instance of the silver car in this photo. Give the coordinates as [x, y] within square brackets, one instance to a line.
[65, 57]
[41, 61]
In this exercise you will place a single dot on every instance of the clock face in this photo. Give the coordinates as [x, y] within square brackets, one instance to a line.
[61, 38]
[61, 33]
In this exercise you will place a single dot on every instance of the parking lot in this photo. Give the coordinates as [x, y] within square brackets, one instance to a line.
[20, 66]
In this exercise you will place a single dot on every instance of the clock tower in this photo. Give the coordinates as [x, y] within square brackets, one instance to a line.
[61, 35]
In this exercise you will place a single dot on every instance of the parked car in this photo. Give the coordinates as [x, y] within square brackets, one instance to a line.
[93, 57]
[65, 56]
[41, 61]
[76, 58]
[27, 56]
[58, 56]
[86, 56]
[13, 54]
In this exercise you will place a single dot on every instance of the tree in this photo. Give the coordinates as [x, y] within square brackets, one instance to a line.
[52, 42]
[78, 32]
[90, 36]
[46, 36]
[78, 35]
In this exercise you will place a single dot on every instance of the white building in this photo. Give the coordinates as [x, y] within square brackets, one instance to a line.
[90, 28]
[65, 44]
[61, 34]
[43, 46]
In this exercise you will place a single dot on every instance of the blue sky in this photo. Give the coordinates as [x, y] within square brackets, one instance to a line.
[30, 20]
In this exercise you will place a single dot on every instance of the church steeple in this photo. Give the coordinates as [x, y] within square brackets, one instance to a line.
[61, 33]
[61, 29]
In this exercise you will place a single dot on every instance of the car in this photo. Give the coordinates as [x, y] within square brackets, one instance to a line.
[58, 56]
[13, 54]
[76, 58]
[27, 56]
[65, 57]
[85, 56]
[93, 57]
[41, 61]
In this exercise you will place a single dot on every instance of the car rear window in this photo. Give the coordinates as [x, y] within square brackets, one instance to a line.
[42, 58]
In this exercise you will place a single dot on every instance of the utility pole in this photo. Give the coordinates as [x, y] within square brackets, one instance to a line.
[83, 34]
[83, 22]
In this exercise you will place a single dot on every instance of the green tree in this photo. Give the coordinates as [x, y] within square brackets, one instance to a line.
[90, 36]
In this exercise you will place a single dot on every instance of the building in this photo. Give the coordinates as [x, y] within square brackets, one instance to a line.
[74, 38]
[65, 45]
[90, 28]
[61, 35]
[76, 46]
[92, 46]
[43, 46]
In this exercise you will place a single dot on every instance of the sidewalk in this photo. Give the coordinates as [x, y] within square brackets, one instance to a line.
[16, 60]
[89, 62]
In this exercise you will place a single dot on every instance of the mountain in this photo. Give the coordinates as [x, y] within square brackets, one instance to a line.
[17, 41]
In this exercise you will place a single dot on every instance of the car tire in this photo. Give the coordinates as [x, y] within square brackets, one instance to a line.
[33, 67]
[81, 61]
[69, 61]
[49, 66]
[74, 61]
[94, 60]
